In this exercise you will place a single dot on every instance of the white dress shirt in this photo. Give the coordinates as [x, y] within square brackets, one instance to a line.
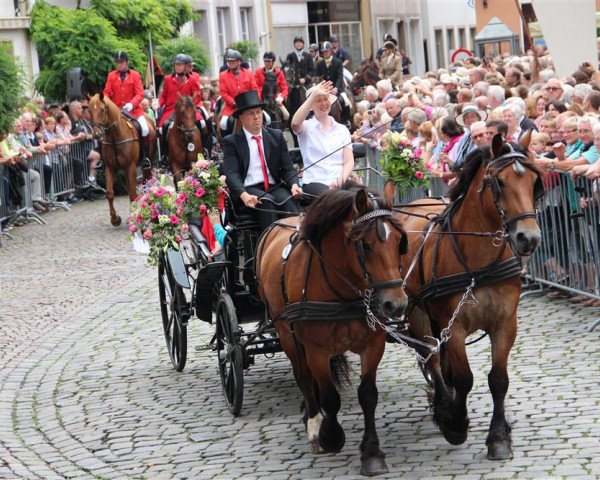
[255, 174]
[315, 143]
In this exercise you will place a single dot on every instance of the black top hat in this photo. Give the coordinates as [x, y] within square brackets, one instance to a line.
[247, 100]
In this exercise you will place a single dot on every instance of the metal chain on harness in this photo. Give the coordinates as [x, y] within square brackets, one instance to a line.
[467, 298]
[372, 320]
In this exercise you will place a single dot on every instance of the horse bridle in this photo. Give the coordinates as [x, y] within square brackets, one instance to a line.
[490, 179]
[104, 126]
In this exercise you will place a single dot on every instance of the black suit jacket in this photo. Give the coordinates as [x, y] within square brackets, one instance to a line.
[236, 159]
[304, 67]
[334, 73]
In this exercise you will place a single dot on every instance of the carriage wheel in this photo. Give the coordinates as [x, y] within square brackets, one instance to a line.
[173, 309]
[230, 354]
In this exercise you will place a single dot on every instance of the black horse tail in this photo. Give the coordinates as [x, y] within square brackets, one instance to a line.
[340, 372]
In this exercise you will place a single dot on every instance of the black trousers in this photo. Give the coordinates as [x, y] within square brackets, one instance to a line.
[279, 199]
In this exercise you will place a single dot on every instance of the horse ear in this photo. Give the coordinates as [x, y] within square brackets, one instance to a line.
[361, 202]
[525, 139]
[389, 191]
[497, 143]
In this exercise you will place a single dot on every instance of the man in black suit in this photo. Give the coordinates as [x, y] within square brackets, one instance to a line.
[301, 62]
[256, 161]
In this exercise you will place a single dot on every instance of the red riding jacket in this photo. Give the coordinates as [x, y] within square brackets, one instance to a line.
[197, 82]
[130, 90]
[259, 76]
[231, 85]
[168, 98]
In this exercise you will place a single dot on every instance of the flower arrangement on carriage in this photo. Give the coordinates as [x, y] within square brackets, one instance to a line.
[402, 163]
[160, 215]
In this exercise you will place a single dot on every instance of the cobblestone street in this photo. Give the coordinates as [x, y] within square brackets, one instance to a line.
[87, 389]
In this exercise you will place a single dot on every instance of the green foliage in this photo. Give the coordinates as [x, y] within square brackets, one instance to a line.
[249, 50]
[134, 19]
[76, 38]
[188, 45]
[11, 79]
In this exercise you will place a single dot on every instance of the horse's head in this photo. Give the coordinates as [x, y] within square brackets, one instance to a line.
[372, 237]
[367, 73]
[100, 114]
[513, 186]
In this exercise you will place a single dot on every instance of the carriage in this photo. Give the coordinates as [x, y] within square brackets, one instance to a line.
[501, 188]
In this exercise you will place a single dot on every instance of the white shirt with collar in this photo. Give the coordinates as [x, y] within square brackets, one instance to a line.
[255, 174]
[315, 143]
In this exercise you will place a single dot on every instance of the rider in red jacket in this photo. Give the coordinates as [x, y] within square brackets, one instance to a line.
[270, 71]
[124, 87]
[179, 83]
[232, 82]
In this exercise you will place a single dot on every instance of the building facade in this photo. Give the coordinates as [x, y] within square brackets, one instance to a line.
[223, 22]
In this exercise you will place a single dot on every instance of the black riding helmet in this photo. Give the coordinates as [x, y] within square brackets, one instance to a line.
[121, 56]
[188, 59]
[298, 38]
[180, 58]
[313, 47]
[269, 56]
[233, 55]
[333, 38]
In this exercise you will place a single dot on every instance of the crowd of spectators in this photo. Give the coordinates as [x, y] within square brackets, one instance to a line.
[36, 148]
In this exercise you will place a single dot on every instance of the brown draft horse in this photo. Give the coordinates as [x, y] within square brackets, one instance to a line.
[120, 147]
[496, 193]
[183, 138]
[348, 248]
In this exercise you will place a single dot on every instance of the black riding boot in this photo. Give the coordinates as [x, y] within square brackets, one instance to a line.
[145, 144]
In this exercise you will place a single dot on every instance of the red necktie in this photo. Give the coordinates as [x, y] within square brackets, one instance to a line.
[263, 163]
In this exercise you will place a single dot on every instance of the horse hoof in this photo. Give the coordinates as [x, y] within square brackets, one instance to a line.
[499, 451]
[116, 221]
[455, 438]
[373, 466]
[315, 447]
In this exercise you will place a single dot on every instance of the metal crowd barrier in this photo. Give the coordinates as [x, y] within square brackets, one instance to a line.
[568, 258]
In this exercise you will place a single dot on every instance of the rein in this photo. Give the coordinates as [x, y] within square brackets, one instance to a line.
[106, 128]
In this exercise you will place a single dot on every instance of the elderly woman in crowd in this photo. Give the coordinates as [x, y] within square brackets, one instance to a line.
[324, 143]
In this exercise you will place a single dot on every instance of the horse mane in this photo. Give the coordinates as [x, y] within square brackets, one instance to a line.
[331, 208]
[477, 158]
[113, 110]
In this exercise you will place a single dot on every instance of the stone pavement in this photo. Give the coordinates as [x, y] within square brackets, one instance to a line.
[87, 390]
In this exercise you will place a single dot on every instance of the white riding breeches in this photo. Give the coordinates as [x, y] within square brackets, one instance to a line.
[344, 96]
[223, 123]
[144, 125]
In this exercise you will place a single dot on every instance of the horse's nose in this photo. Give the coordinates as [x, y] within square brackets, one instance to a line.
[527, 241]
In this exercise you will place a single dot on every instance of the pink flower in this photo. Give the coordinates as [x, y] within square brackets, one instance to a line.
[200, 192]
[153, 207]
[178, 239]
[154, 215]
[132, 228]
[148, 234]
[143, 204]
[185, 228]
[139, 219]
[179, 212]
[174, 219]
[181, 198]
[195, 183]
[159, 192]
[428, 166]
[419, 175]
[202, 164]
[417, 153]
[202, 209]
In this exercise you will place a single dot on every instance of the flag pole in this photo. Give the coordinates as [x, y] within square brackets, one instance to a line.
[154, 93]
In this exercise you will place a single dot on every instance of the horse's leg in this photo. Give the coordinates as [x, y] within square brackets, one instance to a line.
[312, 411]
[452, 416]
[109, 176]
[499, 440]
[131, 179]
[372, 458]
[331, 434]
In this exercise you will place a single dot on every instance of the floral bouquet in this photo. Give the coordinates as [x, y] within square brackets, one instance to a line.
[402, 163]
[156, 216]
[200, 191]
